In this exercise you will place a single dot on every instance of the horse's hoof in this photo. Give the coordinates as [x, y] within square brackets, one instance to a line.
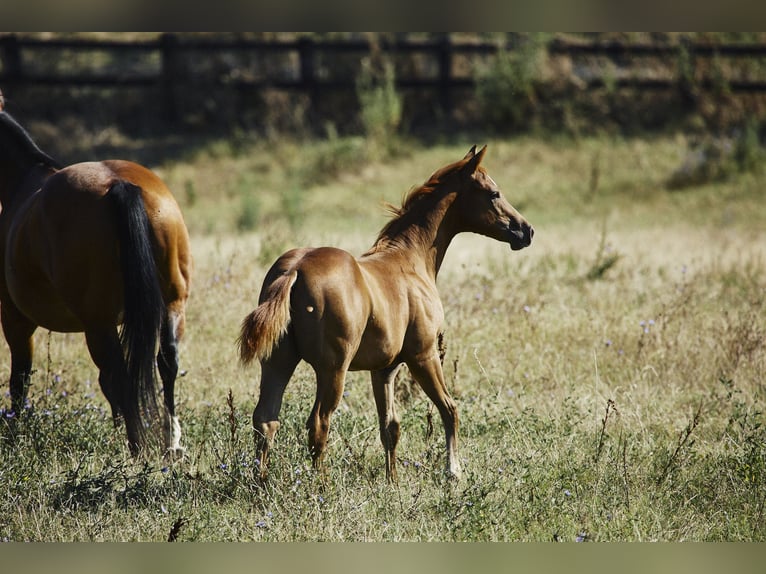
[453, 474]
[174, 454]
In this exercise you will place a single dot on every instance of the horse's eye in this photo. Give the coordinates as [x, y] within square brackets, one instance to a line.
[494, 195]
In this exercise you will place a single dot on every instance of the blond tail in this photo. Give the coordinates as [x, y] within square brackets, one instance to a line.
[263, 328]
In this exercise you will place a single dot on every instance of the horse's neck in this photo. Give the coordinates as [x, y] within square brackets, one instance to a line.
[423, 238]
[10, 180]
[16, 185]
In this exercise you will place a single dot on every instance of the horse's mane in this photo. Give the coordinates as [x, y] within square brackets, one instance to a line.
[16, 142]
[392, 230]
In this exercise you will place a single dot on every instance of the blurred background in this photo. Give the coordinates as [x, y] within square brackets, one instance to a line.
[98, 93]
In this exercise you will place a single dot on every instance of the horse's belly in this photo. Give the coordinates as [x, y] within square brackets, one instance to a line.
[371, 362]
[42, 305]
[376, 352]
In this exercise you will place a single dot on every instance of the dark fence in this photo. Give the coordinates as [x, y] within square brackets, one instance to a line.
[18, 53]
[442, 66]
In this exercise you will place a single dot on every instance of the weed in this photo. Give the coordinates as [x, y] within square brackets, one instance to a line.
[610, 408]
[380, 103]
[683, 439]
[606, 258]
[249, 211]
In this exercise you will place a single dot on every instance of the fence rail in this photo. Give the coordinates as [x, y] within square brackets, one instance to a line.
[16, 53]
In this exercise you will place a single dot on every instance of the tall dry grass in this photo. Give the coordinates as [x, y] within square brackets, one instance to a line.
[609, 378]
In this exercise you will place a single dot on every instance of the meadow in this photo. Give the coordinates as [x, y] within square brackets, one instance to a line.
[609, 378]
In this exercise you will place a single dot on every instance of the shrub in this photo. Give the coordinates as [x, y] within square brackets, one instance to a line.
[250, 208]
[507, 88]
[718, 159]
[748, 151]
[380, 103]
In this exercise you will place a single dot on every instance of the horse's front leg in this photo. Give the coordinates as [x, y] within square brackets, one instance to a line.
[427, 371]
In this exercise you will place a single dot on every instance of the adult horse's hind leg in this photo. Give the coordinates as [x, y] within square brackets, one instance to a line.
[275, 374]
[18, 332]
[106, 352]
[383, 389]
[167, 363]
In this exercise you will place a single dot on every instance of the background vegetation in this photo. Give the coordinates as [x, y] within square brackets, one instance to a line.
[609, 377]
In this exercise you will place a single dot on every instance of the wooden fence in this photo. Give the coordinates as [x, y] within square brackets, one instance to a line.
[167, 52]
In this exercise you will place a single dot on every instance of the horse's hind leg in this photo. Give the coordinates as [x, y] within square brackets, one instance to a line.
[18, 332]
[329, 392]
[106, 352]
[383, 389]
[167, 364]
[275, 374]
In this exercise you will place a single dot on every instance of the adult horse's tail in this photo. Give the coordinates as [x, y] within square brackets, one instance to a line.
[143, 307]
[263, 328]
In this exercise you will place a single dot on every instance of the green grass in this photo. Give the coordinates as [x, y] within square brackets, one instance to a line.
[608, 378]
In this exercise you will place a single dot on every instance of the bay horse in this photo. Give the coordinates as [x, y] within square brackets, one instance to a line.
[85, 248]
[373, 313]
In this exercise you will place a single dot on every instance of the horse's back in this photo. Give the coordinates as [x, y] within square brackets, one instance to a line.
[327, 279]
[60, 247]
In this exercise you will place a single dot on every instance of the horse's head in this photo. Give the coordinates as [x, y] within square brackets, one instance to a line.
[483, 209]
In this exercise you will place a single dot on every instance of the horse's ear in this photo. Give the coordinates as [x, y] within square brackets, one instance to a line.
[471, 152]
[475, 160]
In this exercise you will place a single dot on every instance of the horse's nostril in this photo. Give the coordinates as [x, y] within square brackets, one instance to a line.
[531, 232]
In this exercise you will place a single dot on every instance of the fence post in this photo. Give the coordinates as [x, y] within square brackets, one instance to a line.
[307, 50]
[686, 69]
[11, 56]
[445, 74]
[170, 76]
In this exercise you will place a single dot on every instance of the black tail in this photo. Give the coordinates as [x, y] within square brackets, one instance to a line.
[144, 309]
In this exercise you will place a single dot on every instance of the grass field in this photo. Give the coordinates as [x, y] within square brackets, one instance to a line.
[609, 378]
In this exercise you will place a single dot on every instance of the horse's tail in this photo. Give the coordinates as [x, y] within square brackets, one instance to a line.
[143, 306]
[263, 328]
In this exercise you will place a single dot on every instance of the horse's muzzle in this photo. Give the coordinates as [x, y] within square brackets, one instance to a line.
[521, 238]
